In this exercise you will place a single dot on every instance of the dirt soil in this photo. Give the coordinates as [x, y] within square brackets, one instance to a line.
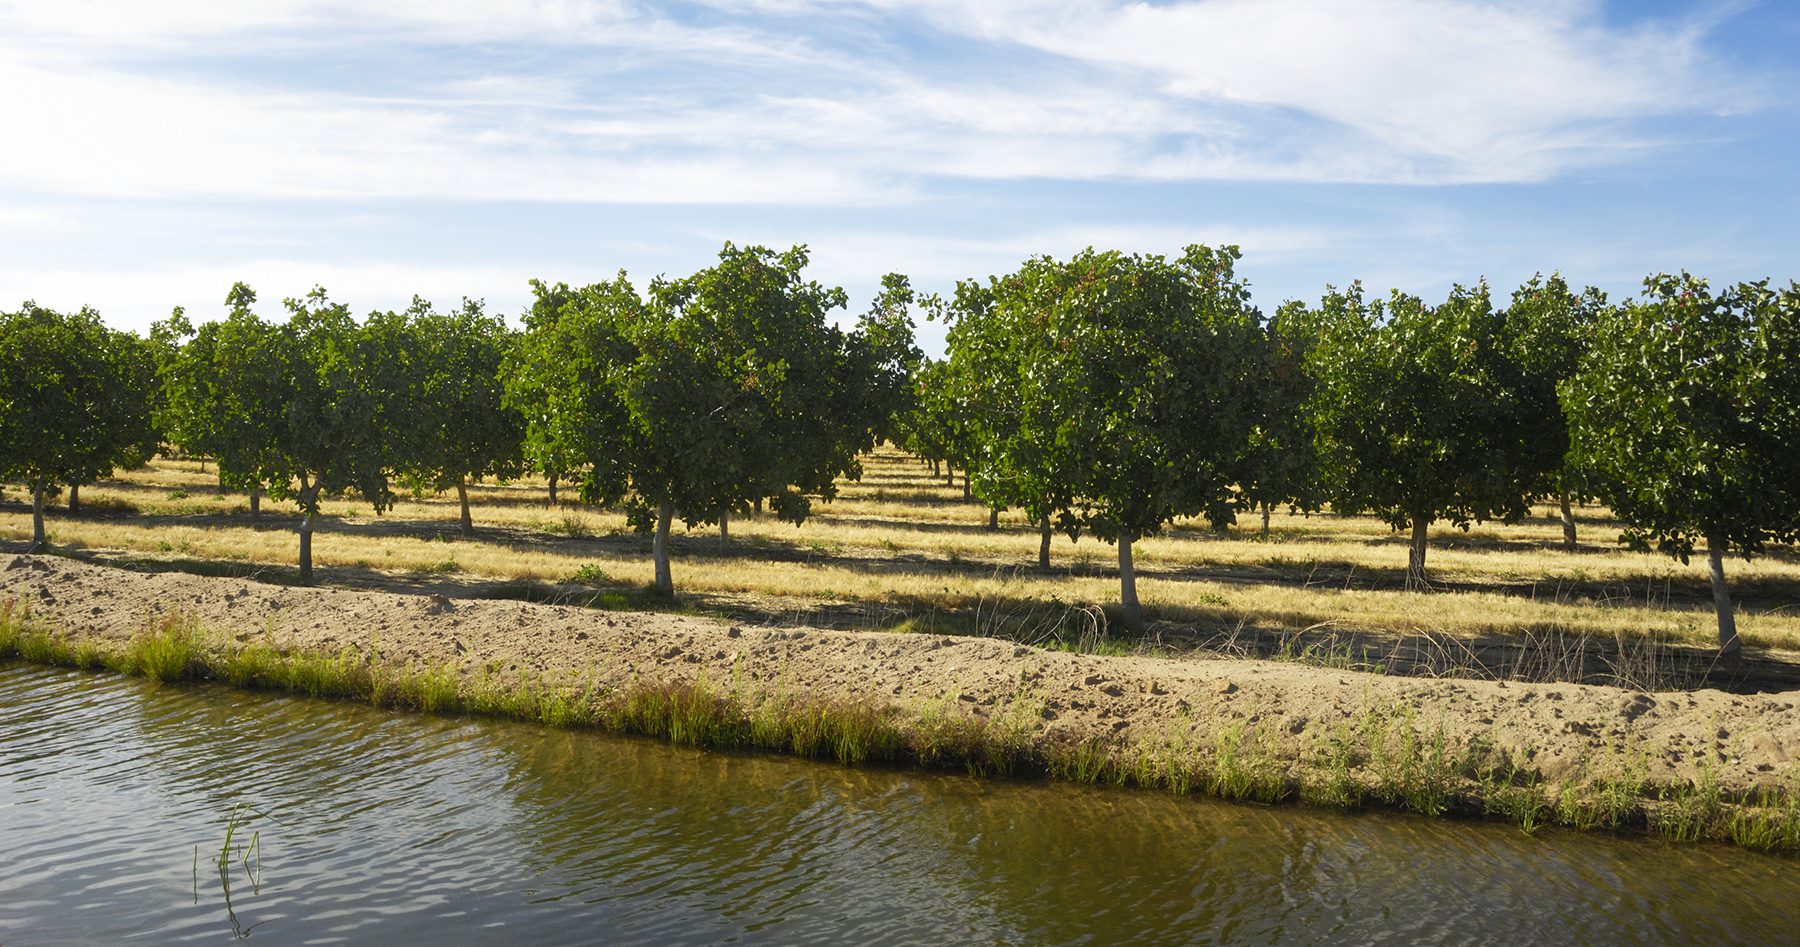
[1563, 730]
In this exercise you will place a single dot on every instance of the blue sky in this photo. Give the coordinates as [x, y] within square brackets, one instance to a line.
[157, 152]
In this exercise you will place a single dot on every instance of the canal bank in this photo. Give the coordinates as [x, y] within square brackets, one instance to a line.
[1675, 762]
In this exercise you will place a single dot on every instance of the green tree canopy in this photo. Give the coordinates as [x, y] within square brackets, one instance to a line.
[937, 424]
[1280, 466]
[1417, 416]
[224, 395]
[713, 391]
[551, 376]
[1130, 384]
[460, 429]
[1547, 329]
[75, 404]
[340, 427]
[1688, 410]
[883, 358]
[1012, 427]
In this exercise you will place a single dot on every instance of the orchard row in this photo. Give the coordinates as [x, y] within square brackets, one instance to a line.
[1107, 394]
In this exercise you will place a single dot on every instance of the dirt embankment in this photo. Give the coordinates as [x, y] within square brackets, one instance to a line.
[1563, 731]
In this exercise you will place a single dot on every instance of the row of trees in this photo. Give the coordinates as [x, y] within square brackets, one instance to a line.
[1108, 394]
[320, 404]
[1112, 394]
[705, 396]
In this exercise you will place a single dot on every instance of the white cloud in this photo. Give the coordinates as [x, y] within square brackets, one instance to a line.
[132, 299]
[627, 105]
[936, 260]
[1413, 90]
[111, 134]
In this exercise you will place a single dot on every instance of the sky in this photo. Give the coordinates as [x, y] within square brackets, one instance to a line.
[158, 152]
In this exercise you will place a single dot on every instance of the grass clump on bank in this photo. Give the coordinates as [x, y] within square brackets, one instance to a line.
[1385, 758]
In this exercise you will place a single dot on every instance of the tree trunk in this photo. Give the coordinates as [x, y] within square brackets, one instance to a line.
[306, 528]
[1568, 522]
[993, 519]
[553, 489]
[757, 506]
[949, 475]
[38, 542]
[724, 530]
[1044, 543]
[966, 493]
[1128, 599]
[1416, 579]
[1265, 518]
[659, 550]
[74, 498]
[309, 497]
[936, 470]
[255, 503]
[222, 488]
[1729, 644]
[462, 497]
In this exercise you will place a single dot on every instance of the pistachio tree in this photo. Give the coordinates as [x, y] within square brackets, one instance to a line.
[1547, 328]
[1012, 423]
[543, 381]
[745, 361]
[700, 397]
[1131, 381]
[223, 395]
[461, 429]
[1280, 465]
[1416, 420]
[1687, 408]
[338, 432]
[75, 403]
[883, 359]
[936, 426]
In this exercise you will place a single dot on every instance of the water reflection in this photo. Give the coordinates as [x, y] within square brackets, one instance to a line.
[416, 829]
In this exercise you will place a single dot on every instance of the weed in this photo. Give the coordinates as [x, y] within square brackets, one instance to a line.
[168, 651]
[589, 574]
[1411, 771]
[1513, 794]
[433, 689]
[1689, 811]
[1770, 822]
[575, 527]
[1245, 767]
[1087, 761]
[1331, 782]
[567, 707]
[945, 736]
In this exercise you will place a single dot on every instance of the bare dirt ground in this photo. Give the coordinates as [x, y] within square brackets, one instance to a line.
[1564, 731]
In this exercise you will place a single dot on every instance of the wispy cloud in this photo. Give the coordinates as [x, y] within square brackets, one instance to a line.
[566, 100]
[120, 294]
[934, 259]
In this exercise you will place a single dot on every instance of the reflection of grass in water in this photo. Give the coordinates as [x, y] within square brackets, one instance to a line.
[1386, 756]
[245, 855]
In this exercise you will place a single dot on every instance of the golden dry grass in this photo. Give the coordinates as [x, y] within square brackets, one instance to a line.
[902, 545]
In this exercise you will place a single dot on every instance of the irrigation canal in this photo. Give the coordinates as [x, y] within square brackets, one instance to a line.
[352, 825]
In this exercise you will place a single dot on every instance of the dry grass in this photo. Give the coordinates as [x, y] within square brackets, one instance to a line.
[901, 548]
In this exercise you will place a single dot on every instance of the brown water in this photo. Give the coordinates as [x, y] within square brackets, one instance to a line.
[372, 827]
